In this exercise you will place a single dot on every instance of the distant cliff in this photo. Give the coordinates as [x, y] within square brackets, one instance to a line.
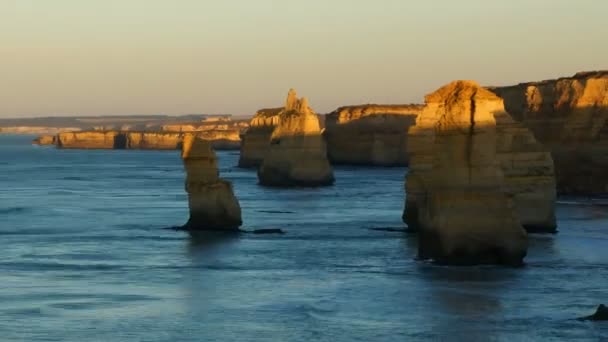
[569, 116]
[370, 134]
[220, 139]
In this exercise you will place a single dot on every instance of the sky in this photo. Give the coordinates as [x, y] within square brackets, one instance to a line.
[97, 57]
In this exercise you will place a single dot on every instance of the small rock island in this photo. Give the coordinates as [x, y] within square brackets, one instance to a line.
[211, 200]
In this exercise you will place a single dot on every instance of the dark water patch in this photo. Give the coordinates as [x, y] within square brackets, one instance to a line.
[51, 266]
[75, 178]
[14, 210]
[392, 229]
[276, 211]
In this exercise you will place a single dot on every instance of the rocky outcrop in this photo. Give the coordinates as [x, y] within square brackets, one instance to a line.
[256, 139]
[211, 200]
[219, 139]
[92, 140]
[370, 134]
[455, 185]
[45, 139]
[601, 314]
[297, 155]
[529, 175]
[570, 117]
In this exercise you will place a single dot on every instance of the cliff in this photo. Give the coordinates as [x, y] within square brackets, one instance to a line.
[219, 139]
[455, 185]
[370, 134]
[211, 201]
[570, 117]
[256, 139]
[297, 155]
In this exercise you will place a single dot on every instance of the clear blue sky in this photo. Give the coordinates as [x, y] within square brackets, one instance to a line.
[85, 57]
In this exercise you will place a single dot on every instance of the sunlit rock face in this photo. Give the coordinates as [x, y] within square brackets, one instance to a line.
[255, 142]
[456, 194]
[370, 134]
[297, 155]
[92, 140]
[570, 117]
[45, 139]
[212, 203]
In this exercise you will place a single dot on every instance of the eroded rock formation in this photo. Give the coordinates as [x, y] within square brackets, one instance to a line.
[219, 139]
[46, 139]
[570, 116]
[297, 155]
[370, 134]
[256, 139]
[455, 185]
[211, 200]
[92, 140]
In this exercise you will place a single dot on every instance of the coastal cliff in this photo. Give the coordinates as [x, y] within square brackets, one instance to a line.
[570, 117]
[370, 134]
[211, 201]
[219, 139]
[455, 186]
[297, 155]
[45, 139]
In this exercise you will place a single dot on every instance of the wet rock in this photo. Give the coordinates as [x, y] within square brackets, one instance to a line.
[601, 314]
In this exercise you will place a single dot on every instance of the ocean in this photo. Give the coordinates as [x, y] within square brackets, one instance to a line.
[85, 256]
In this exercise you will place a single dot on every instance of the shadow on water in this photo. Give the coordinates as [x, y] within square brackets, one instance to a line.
[207, 243]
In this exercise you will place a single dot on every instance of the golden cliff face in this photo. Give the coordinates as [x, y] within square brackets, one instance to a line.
[46, 139]
[455, 185]
[92, 140]
[256, 139]
[219, 139]
[526, 166]
[569, 116]
[211, 201]
[297, 154]
[370, 134]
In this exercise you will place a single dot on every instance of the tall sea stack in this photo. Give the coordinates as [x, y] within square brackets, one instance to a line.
[211, 200]
[297, 155]
[455, 186]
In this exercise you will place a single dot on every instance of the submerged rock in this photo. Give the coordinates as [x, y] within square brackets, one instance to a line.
[601, 314]
[455, 186]
[212, 203]
[370, 134]
[570, 117]
[297, 155]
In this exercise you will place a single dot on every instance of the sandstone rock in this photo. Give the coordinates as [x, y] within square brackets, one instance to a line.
[219, 139]
[256, 139]
[570, 117]
[370, 134]
[92, 140]
[211, 200]
[46, 139]
[455, 185]
[297, 155]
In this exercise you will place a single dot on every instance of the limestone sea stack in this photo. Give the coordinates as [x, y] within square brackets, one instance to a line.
[455, 186]
[256, 139]
[212, 203]
[570, 117]
[297, 155]
[369, 134]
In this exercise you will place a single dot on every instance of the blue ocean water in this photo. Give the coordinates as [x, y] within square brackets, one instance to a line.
[84, 257]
